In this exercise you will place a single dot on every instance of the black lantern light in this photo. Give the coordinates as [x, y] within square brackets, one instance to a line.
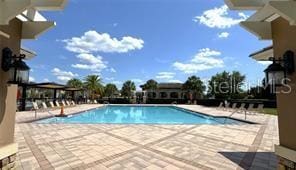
[18, 69]
[276, 73]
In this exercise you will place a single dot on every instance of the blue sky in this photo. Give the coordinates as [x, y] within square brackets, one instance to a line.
[166, 40]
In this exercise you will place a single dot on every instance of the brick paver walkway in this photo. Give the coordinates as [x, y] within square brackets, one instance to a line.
[102, 146]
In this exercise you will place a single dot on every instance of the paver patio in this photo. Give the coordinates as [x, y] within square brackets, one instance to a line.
[104, 146]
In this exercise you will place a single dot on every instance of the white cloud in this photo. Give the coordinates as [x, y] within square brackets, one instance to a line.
[31, 79]
[112, 70]
[219, 18]
[265, 63]
[205, 59]
[175, 81]
[165, 75]
[93, 41]
[117, 82]
[90, 62]
[63, 76]
[223, 35]
[109, 78]
[46, 80]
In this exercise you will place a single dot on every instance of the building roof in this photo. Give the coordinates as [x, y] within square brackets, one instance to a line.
[52, 85]
[27, 11]
[266, 12]
[28, 53]
[264, 54]
[169, 85]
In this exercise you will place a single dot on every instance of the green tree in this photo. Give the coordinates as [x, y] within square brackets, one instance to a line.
[110, 90]
[93, 83]
[194, 86]
[127, 89]
[75, 83]
[227, 85]
[150, 85]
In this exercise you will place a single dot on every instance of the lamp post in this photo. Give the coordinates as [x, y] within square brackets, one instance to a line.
[18, 69]
[276, 73]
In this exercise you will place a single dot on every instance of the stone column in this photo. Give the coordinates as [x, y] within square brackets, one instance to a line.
[284, 38]
[8, 94]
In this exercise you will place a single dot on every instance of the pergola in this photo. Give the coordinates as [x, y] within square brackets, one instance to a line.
[48, 86]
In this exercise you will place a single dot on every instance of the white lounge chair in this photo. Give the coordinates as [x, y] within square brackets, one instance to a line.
[51, 105]
[63, 103]
[233, 107]
[227, 106]
[44, 106]
[57, 104]
[220, 106]
[241, 108]
[260, 108]
[250, 108]
[35, 106]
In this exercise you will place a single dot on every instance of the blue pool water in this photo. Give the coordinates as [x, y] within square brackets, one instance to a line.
[140, 115]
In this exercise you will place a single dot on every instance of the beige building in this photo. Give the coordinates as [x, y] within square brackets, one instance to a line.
[19, 19]
[166, 91]
[276, 20]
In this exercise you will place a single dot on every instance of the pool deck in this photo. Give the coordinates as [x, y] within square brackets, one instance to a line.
[150, 147]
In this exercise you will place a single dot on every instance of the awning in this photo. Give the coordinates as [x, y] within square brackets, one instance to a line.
[28, 53]
[47, 85]
[267, 11]
[52, 85]
[263, 55]
[26, 11]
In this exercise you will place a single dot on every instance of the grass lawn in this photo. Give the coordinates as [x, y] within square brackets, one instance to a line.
[270, 111]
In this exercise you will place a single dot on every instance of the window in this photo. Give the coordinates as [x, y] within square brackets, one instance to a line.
[174, 95]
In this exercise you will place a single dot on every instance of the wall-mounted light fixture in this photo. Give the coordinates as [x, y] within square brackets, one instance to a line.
[276, 73]
[18, 69]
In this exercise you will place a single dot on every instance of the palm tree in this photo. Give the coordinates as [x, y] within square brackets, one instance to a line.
[152, 86]
[75, 83]
[110, 90]
[194, 86]
[127, 89]
[94, 84]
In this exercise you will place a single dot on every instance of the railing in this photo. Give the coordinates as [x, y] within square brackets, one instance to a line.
[245, 111]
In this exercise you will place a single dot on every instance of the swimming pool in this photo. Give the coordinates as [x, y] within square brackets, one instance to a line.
[140, 115]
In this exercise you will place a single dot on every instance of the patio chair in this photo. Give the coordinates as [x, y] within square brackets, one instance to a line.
[44, 106]
[174, 103]
[95, 102]
[35, 106]
[63, 103]
[250, 108]
[51, 105]
[57, 104]
[241, 108]
[73, 103]
[233, 107]
[220, 106]
[68, 103]
[227, 106]
[260, 108]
